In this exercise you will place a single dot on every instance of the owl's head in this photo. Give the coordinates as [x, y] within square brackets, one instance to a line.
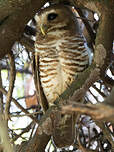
[55, 18]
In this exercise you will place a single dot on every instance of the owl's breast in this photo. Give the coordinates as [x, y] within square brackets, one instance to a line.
[59, 64]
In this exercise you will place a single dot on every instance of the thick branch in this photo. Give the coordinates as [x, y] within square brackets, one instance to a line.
[104, 39]
[13, 26]
[97, 112]
[8, 7]
[103, 111]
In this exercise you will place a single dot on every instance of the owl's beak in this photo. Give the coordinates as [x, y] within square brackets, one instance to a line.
[44, 29]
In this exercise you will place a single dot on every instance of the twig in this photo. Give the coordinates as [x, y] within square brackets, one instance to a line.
[84, 18]
[32, 132]
[34, 113]
[24, 131]
[11, 85]
[19, 106]
[87, 25]
[81, 147]
[1, 95]
[108, 135]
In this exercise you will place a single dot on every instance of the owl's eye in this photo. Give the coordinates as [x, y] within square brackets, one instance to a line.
[52, 16]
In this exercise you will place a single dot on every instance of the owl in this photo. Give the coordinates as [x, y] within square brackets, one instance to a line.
[61, 48]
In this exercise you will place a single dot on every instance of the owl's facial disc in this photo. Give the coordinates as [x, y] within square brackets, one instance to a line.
[51, 21]
[45, 27]
[54, 18]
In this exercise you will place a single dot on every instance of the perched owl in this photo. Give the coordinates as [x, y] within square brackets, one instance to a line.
[61, 48]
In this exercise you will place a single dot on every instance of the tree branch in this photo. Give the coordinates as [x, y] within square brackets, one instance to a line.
[13, 26]
[19, 106]
[42, 135]
[9, 7]
[11, 85]
[104, 39]
[103, 111]
[1, 95]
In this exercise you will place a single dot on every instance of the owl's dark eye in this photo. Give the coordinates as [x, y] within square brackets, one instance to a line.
[52, 16]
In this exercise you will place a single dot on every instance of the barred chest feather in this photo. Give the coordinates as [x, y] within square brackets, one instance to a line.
[60, 61]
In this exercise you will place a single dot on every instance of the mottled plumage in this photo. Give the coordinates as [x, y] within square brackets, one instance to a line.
[61, 48]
